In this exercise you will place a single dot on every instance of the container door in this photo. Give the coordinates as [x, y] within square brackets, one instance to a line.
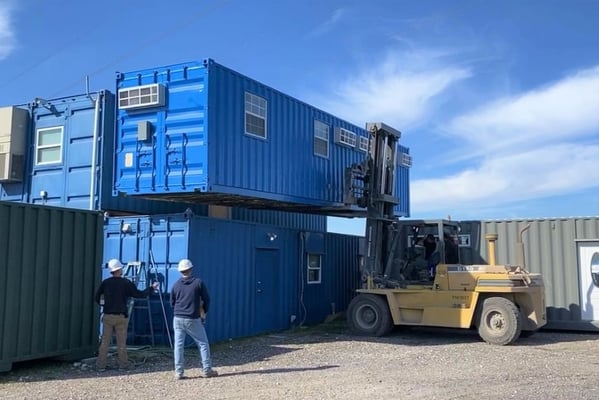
[588, 259]
[267, 293]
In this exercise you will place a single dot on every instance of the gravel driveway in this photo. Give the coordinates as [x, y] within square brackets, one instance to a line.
[326, 362]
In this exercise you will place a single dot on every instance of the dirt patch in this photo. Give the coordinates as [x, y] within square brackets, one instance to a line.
[326, 362]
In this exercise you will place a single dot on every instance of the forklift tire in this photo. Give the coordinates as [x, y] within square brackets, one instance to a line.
[368, 315]
[499, 322]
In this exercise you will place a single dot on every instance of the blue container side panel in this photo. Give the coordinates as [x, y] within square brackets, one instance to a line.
[283, 219]
[340, 277]
[199, 150]
[174, 158]
[247, 296]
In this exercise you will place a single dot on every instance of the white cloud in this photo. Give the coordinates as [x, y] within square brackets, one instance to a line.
[543, 172]
[7, 38]
[564, 110]
[536, 145]
[328, 25]
[399, 89]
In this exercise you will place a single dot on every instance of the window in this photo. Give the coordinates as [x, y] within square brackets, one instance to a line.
[48, 147]
[364, 144]
[141, 96]
[345, 137]
[321, 139]
[405, 160]
[255, 115]
[314, 267]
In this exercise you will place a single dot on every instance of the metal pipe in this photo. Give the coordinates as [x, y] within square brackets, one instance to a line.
[491, 238]
[520, 247]
[93, 172]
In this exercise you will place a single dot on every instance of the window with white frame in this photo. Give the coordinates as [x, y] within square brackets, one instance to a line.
[314, 268]
[345, 137]
[364, 144]
[255, 115]
[48, 145]
[321, 139]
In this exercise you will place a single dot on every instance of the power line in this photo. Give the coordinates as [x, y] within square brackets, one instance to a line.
[138, 49]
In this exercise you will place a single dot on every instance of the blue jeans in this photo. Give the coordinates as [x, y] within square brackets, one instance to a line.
[195, 329]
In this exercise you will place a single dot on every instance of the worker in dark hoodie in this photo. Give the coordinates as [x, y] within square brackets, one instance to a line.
[190, 301]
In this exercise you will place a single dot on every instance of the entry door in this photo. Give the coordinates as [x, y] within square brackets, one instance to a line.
[266, 290]
[588, 258]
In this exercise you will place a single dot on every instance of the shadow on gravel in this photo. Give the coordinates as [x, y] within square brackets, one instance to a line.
[278, 370]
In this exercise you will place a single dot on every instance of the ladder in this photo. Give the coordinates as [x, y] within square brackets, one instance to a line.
[137, 273]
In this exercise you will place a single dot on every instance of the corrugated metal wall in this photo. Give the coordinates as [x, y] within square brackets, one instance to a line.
[550, 249]
[49, 261]
[292, 220]
[200, 150]
[254, 272]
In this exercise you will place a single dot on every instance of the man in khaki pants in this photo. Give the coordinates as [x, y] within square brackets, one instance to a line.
[116, 290]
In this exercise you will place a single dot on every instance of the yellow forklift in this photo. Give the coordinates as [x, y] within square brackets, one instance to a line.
[412, 275]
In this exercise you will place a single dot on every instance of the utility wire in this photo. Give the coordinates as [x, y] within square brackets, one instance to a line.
[138, 49]
[79, 38]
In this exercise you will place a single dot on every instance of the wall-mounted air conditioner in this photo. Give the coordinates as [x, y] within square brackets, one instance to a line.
[13, 132]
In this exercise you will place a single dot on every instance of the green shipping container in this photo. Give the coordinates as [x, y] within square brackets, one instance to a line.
[49, 269]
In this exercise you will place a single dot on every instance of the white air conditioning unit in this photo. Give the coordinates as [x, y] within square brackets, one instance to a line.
[13, 133]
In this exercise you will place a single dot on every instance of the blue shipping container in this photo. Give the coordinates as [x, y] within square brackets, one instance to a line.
[200, 132]
[55, 144]
[261, 278]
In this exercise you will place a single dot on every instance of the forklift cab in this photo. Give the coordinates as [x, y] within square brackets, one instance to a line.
[425, 244]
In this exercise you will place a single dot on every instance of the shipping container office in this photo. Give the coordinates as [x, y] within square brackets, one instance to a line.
[49, 261]
[261, 277]
[201, 132]
[49, 148]
[564, 250]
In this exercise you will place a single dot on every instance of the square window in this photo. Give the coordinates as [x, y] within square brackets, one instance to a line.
[48, 145]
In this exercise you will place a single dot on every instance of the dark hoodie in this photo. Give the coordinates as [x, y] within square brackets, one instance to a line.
[187, 295]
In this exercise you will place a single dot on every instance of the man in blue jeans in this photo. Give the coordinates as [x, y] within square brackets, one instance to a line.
[190, 301]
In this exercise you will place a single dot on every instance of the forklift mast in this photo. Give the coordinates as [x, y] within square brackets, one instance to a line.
[371, 185]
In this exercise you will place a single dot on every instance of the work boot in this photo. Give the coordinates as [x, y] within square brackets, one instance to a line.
[208, 373]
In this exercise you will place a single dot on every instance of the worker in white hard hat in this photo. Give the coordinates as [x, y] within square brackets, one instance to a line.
[115, 291]
[190, 301]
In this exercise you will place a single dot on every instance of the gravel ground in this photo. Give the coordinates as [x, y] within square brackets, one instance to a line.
[326, 362]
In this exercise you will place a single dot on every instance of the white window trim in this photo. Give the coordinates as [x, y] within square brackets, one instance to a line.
[318, 137]
[156, 90]
[246, 112]
[38, 147]
[308, 281]
[363, 144]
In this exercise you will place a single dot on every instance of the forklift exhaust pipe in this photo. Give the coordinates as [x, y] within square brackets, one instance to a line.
[491, 238]
[520, 247]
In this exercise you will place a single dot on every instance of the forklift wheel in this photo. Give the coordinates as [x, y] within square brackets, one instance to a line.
[369, 315]
[499, 321]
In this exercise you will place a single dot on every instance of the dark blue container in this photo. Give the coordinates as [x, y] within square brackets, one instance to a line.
[261, 278]
[200, 132]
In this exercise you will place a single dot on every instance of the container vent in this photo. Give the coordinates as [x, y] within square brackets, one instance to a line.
[141, 96]
[405, 160]
[345, 137]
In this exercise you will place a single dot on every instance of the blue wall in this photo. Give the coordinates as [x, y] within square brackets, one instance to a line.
[256, 284]
[67, 183]
[199, 150]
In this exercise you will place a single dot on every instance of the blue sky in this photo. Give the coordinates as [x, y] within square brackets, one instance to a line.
[497, 100]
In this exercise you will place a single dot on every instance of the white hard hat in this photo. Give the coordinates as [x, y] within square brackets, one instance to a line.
[184, 265]
[114, 265]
